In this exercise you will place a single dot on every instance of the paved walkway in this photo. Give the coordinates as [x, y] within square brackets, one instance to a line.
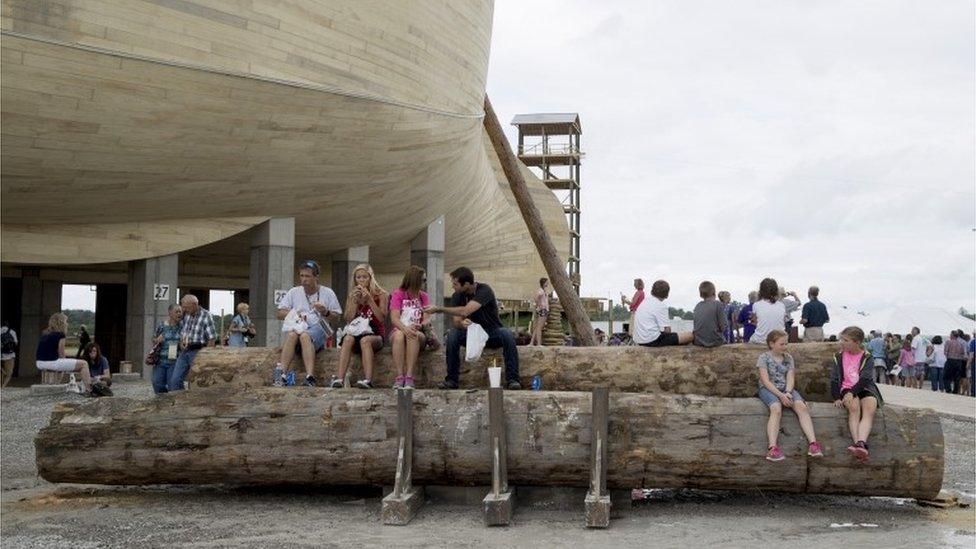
[956, 406]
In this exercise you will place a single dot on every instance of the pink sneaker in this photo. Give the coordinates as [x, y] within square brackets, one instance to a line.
[408, 382]
[398, 383]
[775, 454]
[815, 450]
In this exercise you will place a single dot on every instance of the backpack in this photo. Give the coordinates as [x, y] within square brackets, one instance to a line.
[8, 344]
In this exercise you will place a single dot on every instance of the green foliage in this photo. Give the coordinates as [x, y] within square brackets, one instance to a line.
[78, 317]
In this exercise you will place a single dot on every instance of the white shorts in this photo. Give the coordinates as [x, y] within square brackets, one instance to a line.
[59, 365]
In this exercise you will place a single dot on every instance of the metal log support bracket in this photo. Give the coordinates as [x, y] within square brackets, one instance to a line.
[597, 503]
[500, 502]
[400, 506]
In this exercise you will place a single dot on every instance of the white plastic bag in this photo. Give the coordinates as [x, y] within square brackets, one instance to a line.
[359, 326]
[477, 337]
[293, 323]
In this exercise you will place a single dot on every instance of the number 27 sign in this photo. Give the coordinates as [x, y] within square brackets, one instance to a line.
[161, 292]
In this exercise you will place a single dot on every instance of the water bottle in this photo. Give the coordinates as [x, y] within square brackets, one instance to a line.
[537, 383]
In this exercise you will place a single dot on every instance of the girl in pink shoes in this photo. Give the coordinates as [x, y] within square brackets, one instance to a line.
[852, 386]
[407, 313]
[777, 377]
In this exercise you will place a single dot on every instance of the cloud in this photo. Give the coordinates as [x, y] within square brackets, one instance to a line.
[827, 143]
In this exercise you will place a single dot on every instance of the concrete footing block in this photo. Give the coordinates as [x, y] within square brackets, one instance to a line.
[597, 511]
[400, 510]
[498, 508]
[39, 389]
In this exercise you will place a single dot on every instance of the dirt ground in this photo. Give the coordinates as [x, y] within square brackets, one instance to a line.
[34, 513]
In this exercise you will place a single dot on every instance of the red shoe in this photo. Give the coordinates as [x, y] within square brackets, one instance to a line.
[775, 454]
[815, 450]
[861, 451]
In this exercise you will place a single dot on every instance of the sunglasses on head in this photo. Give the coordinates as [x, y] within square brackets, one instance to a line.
[309, 264]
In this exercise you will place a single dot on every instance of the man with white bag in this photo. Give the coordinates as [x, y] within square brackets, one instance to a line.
[310, 312]
[475, 303]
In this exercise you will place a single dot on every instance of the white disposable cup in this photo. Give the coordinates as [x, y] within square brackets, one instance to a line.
[495, 376]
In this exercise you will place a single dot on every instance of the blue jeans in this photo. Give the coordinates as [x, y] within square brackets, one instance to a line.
[182, 367]
[935, 376]
[160, 376]
[497, 337]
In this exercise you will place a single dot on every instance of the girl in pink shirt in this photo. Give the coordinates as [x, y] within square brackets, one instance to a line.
[852, 386]
[407, 313]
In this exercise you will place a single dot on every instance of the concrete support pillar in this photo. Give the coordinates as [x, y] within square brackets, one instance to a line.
[343, 264]
[272, 270]
[427, 252]
[152, 286]
[39, 300]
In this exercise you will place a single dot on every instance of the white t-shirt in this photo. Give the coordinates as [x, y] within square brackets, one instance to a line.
[650, 320]
[9, 356]
[938, 356]
[297, 299]
[919, 345]
[769, 317]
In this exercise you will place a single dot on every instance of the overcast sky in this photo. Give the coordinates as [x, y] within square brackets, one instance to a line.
[827, 143]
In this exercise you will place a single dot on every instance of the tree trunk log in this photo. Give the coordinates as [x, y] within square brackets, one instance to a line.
[579, 321]
[727, 371]
[314, 436]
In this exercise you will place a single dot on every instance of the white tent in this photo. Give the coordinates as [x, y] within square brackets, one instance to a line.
[931, 321]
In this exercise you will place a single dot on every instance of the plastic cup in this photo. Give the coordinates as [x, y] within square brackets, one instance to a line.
[495, 376]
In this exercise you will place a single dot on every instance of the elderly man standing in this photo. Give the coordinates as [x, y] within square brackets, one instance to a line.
[813, 316]
[317, 311]
[196, 332]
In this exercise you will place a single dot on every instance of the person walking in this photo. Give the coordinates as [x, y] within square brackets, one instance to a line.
[813, 316]
[541, 311]
[8, 351]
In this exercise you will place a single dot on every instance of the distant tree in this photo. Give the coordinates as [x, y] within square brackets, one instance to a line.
[78, 317]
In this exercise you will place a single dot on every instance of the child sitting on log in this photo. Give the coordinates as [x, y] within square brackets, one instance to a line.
[777, 377]
[852, 386]
[710, 322]
[652, 328]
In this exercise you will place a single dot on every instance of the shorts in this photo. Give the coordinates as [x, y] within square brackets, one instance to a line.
[906, 371]
[542, 313]
[317, 333]
[813, 334]
[863, 394]
[920, 370]
[357, 342]
[666, 339]
[59, 365]
[769, 398]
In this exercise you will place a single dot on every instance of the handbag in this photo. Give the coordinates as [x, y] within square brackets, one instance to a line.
[152, 357]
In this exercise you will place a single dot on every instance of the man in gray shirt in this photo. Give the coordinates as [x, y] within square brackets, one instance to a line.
[710, 321]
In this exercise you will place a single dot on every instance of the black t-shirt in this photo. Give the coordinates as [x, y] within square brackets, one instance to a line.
[47, 347]
[487, 315]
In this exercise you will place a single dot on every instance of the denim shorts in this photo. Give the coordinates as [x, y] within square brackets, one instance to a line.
[317, 333]
[769, 398]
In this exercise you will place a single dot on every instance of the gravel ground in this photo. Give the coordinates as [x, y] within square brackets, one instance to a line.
[35, 513]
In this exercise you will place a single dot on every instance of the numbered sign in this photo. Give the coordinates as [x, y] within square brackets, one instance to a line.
[161, 292]
[278, 296]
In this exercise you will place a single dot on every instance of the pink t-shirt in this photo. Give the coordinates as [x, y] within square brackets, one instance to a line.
[636, 301]
[411, 309]
[852, 369]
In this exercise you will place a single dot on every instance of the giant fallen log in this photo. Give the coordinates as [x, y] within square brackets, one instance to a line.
[728, 371]
[314, 436]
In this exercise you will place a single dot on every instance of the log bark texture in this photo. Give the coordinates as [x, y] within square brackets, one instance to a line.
[579, 321]
[727, 371]
[314, 436]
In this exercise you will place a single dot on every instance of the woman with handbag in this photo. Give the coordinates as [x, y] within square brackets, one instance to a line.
[409, 320]
[241, 327]
[366, 310]
[166, 346]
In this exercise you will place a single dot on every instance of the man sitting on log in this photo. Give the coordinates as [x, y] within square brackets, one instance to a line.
[196, 332]
[475, 303]
[317, 309]
[652, 327]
